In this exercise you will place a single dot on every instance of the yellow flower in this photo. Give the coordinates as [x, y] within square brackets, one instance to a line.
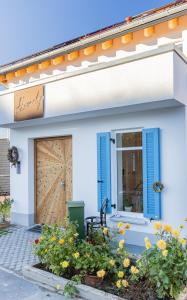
[101, 274]
[181, 226]
[112, 262]
[134, 270]
[46, 250]
[161, 244]
[122, 231]
[175, 233]
[125, 283]
[120, 274]
[121, 244]
[53, 239]
[118, 284]
[157, 226]
[165, 253]
[105, 230]
[147, 243]
[61, 242]
[185, 219]
[167, 228]
[71, 240]
[120, 224]
[64, 264]
[183, 241]
[127, 226]
[126, 262]
[76, 255]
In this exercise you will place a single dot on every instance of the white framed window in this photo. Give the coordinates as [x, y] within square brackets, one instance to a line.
[128, 171]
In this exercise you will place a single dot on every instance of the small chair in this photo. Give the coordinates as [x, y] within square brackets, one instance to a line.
[95, 222]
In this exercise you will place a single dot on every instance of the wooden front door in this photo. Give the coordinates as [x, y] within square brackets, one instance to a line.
[53, 179]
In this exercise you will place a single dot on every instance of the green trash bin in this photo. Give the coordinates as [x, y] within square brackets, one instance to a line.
[76, 213]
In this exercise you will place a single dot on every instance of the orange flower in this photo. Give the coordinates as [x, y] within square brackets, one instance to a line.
[161, 244]
[167, 228]
[101, 274]
[157, 226]
[122, 231]
[127, 226]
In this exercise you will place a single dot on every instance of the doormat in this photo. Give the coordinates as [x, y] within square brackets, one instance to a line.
[36, 228]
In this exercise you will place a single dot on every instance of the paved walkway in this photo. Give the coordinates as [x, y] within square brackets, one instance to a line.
[16, 249]
[15, 253]
[14, 287]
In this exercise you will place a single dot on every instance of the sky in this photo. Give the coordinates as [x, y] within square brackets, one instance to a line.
[28, 26]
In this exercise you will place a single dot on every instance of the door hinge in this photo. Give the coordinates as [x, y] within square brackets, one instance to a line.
[113, 140]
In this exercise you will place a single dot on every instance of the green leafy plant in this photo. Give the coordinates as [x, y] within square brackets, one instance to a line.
[5, 207]
[70, 290]
[57, 248]
[165, 264]
[92, 258]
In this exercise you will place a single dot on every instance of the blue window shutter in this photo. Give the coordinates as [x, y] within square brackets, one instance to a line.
[151, 173]
[104, 169]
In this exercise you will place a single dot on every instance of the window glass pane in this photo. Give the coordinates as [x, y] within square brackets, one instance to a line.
[129, 181]
[129, 139]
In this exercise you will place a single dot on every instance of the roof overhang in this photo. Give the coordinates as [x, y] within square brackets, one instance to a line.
[112, 86]
[136, 24]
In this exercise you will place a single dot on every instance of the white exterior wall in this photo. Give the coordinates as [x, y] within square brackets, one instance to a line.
[142, 81]
[4, 133]
[171, 121]
[120, 95]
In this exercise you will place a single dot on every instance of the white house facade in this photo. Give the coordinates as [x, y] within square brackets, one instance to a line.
[103, 117]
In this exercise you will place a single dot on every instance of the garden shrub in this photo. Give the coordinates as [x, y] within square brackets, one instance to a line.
[57, 248]
[161, 270]
[165, 263]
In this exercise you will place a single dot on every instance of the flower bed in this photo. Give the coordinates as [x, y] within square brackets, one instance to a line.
[105, 264]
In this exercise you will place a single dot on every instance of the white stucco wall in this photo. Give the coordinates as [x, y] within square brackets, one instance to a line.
[146, 80]
[173, 160]
[4, 133]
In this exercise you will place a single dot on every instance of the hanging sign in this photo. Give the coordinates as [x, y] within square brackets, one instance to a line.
[29, 103]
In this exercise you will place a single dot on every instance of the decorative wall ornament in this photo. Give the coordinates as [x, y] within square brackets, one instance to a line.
[158, 187]
[13, 155]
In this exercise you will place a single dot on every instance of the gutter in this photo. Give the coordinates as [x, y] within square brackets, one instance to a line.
[135, 25]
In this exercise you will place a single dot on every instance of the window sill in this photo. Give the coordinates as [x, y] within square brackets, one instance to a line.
[128, 219]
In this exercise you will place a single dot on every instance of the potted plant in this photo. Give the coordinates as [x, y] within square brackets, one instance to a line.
[128, 205]
[5, 207]
[93, 262]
